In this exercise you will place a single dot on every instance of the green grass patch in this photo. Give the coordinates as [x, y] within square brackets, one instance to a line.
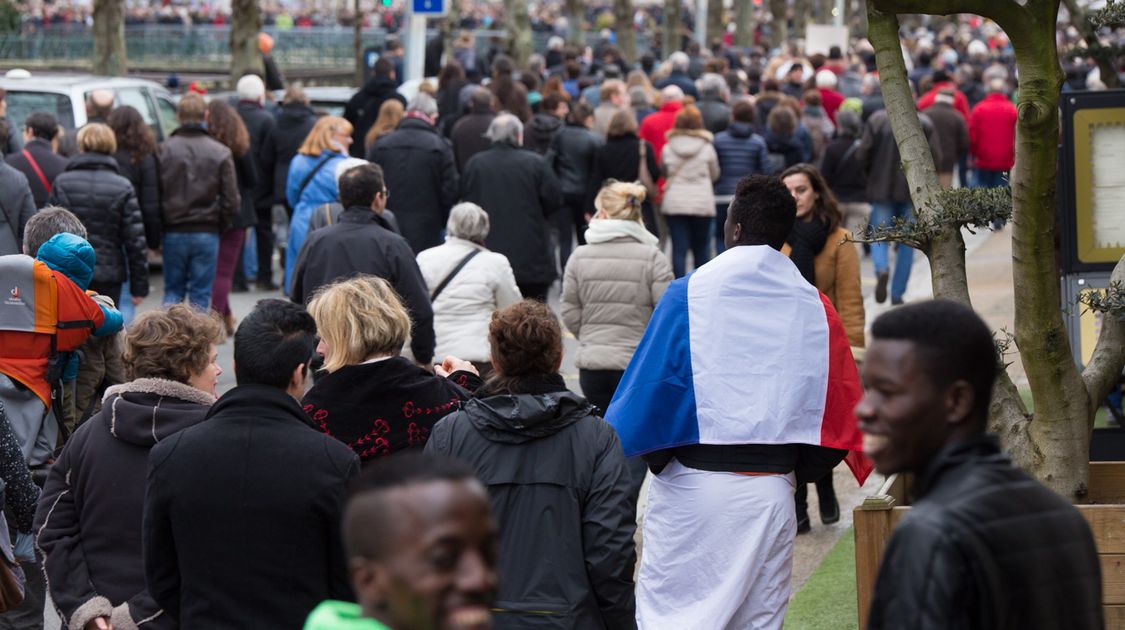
[1101, 417]
[827, 601]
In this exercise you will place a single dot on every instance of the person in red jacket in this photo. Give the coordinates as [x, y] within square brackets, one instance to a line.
[943, 82]
[992, 136]
[655, 127]
[826, 83]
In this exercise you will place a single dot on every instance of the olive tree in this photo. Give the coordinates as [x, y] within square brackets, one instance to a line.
[109, 38]
[1053, 442]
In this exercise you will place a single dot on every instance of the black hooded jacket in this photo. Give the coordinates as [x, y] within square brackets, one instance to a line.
[987, 546]
[89, 517]
[556, 474]
[363, 108]
[294, 122]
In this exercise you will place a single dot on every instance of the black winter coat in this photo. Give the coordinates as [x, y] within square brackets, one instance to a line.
[575, 149]
[380, 408]
[556, 474]
[519, 191]
[419, 172]
[246, 173]
[468, 136]
[987, 546]
[540, 132]
[50, 164]
[89, 521]
[97, 194]
[16, 207]
[620, 158]
[846, 178]
[252, 496]
[716, 114]
[294, 122]
[145, 177]
[363, 108]
[260, 125]
[362, 242]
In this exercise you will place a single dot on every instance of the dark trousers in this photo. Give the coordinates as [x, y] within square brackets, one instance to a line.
[29, 614]
[598, 386]
[229, 249]
[263, 235]
[111, 290]
[534, 290]
[571, 217]
[824, 489]
[689, 233]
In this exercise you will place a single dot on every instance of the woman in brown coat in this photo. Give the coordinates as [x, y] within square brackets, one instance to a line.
[819, 247]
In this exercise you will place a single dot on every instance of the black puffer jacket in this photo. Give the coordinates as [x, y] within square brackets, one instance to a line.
[363, 108]
[92, 189]
[519, 191]
[89, 519]
[575, 148]
[145, 177]
[556, 474]
[260, 125]
[419, 172]
[294, 122]
[986, 546]
[540, 132]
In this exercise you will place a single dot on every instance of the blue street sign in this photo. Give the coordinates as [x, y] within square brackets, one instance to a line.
[428, 7]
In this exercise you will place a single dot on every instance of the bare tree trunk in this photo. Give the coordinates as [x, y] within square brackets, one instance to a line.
[800, 17]
[744, 33]
[575, 15]
[449, 27]
[109, 38]
[1081, 21]
[779, 24]
[519, 31]
[626, 35]
[715, 21]
[245, 24]
[357, 45]
[671, 27]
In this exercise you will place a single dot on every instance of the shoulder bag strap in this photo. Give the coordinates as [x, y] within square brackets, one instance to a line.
[38, 171]
[308, 178]
[850, 152]
[452, 274]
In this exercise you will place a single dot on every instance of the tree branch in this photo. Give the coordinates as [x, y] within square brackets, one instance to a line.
[1081, 21]
[1003, 12]
[1108, 360]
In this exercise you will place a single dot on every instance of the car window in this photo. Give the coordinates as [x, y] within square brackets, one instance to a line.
[330, 108]
[167, 116]
[138, 100]
[22, 103]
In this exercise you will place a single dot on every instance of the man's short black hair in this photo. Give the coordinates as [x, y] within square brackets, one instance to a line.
[764, 208]
[953, 343]
[359, 185]
[365, 515]
[42, 125]
[940, 76]
[384, 67]
[275, 338]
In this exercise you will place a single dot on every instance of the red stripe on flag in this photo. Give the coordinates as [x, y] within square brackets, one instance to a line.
[839, 428]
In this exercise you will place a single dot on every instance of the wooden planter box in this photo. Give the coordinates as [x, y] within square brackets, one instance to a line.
[878, 515]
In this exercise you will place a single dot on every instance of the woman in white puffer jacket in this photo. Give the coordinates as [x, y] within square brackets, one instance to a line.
[472, 291]
[610, 288]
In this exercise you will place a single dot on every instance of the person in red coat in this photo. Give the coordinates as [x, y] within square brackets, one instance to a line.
[655, 127]
[826, 83]
[942, 82]
[992, 136]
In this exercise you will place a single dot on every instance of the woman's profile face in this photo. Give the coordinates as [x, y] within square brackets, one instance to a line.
[323, 349]
[802, 190]
[207, 379]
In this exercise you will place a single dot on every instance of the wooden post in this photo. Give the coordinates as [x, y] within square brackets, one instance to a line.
[873, 521]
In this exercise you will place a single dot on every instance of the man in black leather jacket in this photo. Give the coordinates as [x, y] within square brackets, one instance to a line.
[985, 545]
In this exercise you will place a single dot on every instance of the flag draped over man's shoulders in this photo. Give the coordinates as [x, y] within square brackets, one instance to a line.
[743, 351]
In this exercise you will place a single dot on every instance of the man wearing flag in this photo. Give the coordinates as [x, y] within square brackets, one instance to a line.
[743, 385]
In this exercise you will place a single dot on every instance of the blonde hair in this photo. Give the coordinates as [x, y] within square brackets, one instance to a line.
[359, 319]
[97, 138]
[620, 200]
[320, 138]
[390, 115]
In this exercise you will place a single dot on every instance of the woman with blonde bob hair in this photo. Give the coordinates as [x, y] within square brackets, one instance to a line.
[610, 288]
[371, 398]
[312, 180]
[89, 518]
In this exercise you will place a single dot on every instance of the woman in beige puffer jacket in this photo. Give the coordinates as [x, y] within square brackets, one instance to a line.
[610, 288]
[690, 166]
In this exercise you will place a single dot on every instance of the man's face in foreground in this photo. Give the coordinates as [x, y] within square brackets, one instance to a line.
[439, 568]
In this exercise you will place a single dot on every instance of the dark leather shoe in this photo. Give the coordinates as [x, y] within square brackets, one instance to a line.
[829, 509]
[804, 526]
[881, 286]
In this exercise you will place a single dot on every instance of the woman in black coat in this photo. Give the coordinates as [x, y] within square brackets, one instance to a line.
[136, 160]
[94, 190]
[620, 159]
[557, 478]
[372, 399]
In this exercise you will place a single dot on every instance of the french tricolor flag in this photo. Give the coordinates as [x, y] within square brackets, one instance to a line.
[743, 351]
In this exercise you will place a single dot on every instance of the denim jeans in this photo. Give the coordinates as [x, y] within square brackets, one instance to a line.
[882, 213]
[692, 233]
[189, 267]
[988, 179]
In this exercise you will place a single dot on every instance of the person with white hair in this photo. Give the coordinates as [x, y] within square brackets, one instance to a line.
[992, 136]
[713, 104]
[830, 99]
[261, 126]
[519, 190]
[418, 165]
[467, 282]
[654, 128]
[679, 76]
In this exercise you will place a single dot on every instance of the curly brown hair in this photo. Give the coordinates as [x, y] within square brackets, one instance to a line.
[226, 125]
[526, 341]
[132, 134]
[172, 343]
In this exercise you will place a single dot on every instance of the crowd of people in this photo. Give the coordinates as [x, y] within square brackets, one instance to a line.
[693, 218]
